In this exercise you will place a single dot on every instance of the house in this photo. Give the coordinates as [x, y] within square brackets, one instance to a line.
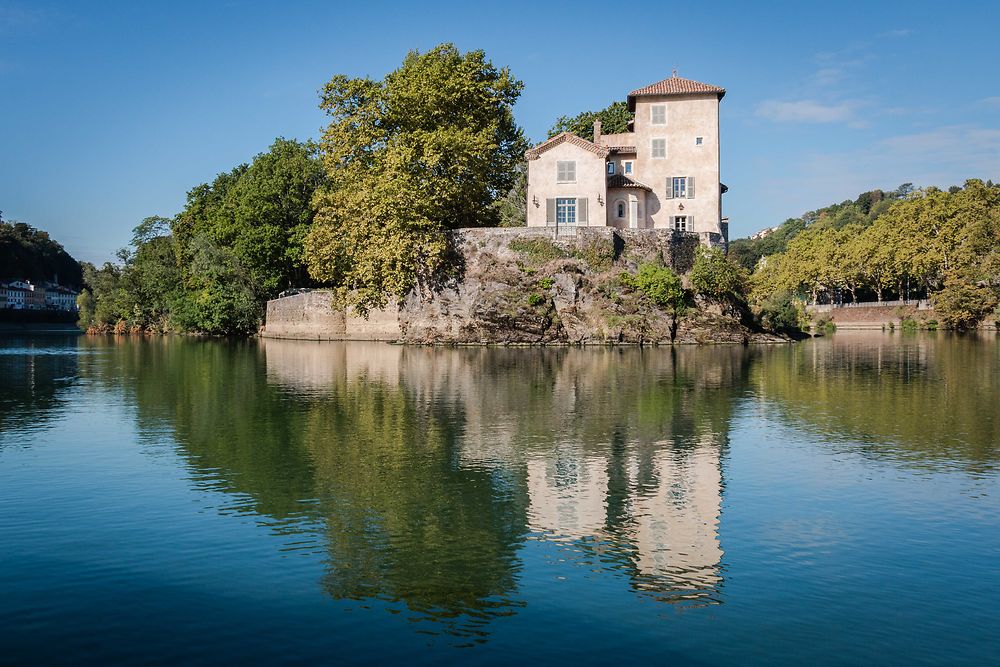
[60, 298]
[662, 174]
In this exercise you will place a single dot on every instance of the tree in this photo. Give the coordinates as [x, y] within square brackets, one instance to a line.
[513, 206]
[429, 148]
[615, 118]
[716, 276]
[261, 212]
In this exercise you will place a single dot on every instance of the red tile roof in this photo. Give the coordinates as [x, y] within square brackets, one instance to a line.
[674, 85]
[533, 153]
[623, 181]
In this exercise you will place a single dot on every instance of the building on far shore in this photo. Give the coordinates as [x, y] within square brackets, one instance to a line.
[662, 174]
[25, 295]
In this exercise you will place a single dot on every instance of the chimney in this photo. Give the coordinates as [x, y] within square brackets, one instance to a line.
[597, 132]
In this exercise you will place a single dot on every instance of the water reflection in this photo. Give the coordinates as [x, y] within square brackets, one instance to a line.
[421, 474]
[35, 377]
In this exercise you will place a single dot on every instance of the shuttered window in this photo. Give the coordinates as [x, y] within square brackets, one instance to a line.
[678, 187]
[658, 148]
[658, 114]
[566, 171]
[681, 223]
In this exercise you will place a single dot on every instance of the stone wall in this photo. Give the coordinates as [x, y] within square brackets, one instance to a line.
[313, 316]
[524, 285]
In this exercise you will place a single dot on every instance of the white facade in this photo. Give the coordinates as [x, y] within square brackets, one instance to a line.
[663, 174]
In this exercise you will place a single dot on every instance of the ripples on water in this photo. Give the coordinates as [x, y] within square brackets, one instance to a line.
[830, 502]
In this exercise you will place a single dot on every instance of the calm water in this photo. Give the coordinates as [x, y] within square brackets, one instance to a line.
[833, 502]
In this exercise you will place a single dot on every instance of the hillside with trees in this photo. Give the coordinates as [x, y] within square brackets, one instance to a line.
[27, 253]
[930, 243]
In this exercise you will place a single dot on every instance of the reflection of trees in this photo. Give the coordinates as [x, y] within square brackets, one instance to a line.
[920, 399]
[422, 470]
[34, 376]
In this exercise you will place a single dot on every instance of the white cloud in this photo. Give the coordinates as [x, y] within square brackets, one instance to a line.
[806, 111]
[990, 102]
[897, 32]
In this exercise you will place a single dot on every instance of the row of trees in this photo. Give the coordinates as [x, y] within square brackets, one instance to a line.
[238, 242]
[930, 243]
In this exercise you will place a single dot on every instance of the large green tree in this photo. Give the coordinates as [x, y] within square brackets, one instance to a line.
[430, 147]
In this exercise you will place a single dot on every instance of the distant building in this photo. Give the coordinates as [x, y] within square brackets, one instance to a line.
[25, 295]
[662, 174]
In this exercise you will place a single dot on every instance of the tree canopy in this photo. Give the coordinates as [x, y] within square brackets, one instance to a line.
[430, 147]
[238, 242]
[614, 119]
[29, 253]
[939, 244]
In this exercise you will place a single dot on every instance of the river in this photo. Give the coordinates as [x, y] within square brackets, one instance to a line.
[173, 500]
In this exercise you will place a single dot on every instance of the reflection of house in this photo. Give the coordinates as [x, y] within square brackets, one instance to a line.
[663, 173]
[669, 527]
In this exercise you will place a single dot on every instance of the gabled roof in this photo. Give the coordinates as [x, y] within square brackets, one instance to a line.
[623, 181]
[674, 85]
[563, 137]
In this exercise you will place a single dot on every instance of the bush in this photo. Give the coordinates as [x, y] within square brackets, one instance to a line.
[546, 283]
[781, 312]
[535, 299]
[661, 285]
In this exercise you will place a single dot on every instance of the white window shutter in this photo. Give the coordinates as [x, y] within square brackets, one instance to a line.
[690, 187]
[690, 223]
[550, 211]
[581, 209]
[670, 187]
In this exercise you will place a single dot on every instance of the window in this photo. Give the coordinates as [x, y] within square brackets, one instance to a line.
[611, 168]
[681, 223]
[698, 141]
[621, 209]
[627, 166]
[658, 114]
[659, 148]
[566, 172]
[566, 211]
[679, 187]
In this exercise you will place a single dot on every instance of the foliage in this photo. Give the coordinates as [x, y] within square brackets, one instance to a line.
[931, 243]
[599, 254]
[781, 312]
[27, 253]
[863, 211]
[614, 118]
[237, 243]
[431, 147]
[512, 207]
[664, 288]
[961, 305]
[716, 276]
[537, 250]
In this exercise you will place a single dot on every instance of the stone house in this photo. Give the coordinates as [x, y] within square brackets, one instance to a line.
[662, 174]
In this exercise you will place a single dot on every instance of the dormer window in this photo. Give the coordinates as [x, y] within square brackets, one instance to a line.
[566, 171]
[611, 169]
[627, 167]
[658, 114]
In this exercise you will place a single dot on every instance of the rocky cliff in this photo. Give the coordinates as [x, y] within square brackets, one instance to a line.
[530, 285]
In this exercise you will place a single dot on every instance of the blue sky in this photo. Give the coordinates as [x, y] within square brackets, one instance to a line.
[110, 112]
